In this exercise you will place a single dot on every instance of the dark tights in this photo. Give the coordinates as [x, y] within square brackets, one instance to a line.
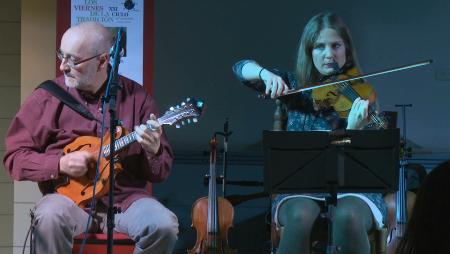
[352, 220]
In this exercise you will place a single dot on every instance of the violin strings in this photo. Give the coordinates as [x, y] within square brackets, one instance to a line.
[349, 92]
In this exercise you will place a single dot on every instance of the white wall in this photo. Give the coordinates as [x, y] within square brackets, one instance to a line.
[9, 103]
[38, 32]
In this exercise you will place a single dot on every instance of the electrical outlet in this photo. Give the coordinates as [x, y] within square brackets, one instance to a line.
[442, 74]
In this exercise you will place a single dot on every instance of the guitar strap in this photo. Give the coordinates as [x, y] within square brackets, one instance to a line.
[66, 98]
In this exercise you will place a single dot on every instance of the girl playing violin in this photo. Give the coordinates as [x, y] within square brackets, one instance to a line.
[325, 50]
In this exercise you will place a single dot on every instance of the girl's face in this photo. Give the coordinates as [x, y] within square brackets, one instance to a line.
[328, 49]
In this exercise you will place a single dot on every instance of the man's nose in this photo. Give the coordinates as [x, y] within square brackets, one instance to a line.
[63, 66]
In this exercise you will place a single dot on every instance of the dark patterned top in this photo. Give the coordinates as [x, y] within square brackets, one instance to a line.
[303, 117]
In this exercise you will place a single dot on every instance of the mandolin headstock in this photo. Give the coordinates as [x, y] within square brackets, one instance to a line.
[184, 113]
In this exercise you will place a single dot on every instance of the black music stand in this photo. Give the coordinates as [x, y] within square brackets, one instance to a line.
[331, 162]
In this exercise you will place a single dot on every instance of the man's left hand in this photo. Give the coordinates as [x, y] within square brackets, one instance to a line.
[149, 138]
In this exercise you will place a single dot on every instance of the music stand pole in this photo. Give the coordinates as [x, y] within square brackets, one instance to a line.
[331, 200]
[330, 204]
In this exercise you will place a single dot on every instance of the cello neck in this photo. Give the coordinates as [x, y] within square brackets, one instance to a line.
[401, 215]
[213, 224]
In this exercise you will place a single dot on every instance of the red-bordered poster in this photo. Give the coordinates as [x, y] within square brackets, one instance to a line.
[136, 17]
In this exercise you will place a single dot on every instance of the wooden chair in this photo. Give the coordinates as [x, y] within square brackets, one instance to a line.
[97, 244]
[378, 237]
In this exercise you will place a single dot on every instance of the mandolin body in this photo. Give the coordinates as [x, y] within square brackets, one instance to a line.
[81, 189]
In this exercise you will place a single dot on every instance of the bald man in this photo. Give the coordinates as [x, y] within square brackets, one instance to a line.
[44, 126]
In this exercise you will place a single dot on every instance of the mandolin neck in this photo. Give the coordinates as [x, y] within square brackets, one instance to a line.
[129, 139]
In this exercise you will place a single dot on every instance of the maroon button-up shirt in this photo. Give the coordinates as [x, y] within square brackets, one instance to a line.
[44, 126]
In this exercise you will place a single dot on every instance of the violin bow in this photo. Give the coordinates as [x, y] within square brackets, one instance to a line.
[373, 74]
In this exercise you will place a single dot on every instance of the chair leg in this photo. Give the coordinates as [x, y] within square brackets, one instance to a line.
[380, 241]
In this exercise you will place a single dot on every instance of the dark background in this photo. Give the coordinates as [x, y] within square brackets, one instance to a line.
[197, 42]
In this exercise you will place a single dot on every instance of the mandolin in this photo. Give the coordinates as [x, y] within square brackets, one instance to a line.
[81, 189]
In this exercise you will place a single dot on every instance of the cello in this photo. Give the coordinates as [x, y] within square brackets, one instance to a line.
[212, 216]
[397, 204]
[397, 227]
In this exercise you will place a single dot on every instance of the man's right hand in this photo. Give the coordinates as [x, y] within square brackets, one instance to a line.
[76, 164]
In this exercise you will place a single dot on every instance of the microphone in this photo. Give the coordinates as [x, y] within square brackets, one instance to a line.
[121, 36]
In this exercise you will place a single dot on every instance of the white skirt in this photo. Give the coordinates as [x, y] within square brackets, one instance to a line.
[377, 215]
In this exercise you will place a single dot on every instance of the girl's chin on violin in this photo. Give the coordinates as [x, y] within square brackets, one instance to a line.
[328, 69]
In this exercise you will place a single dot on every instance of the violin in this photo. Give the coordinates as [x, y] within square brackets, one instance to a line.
[341, 96]
[212, 216]
[342, 93]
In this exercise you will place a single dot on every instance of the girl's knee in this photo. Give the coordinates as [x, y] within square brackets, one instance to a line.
[300, 212]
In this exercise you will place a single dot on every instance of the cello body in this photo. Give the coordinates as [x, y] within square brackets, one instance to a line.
[204, 243]
[212, 216]
[401, 205]
[395, 229]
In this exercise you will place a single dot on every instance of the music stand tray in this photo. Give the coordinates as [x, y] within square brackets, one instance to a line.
[324, 161]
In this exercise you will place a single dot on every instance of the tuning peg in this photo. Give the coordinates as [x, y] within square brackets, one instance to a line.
[177, 126]
[188, 121]
[172, 108]
[183, 104]
[188, 99]
[194, 120]
[182, 122]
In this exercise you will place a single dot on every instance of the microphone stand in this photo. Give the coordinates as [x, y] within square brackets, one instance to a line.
[225, 135]
[401, 214]
[111, 96]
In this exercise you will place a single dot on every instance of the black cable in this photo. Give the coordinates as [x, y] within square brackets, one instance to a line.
[30, 233]
[97, 175]
[26, 238]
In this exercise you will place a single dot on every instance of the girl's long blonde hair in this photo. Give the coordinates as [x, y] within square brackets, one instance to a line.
[305, 70]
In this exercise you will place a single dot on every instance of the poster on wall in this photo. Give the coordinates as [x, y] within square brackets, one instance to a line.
[115, 14]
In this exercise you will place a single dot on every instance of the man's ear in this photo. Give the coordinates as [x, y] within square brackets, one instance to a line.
[104, 61]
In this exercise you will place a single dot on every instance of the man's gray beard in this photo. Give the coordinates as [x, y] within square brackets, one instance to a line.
[71, 82]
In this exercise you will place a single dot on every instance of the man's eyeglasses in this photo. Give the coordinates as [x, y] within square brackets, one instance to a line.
[71, 61]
